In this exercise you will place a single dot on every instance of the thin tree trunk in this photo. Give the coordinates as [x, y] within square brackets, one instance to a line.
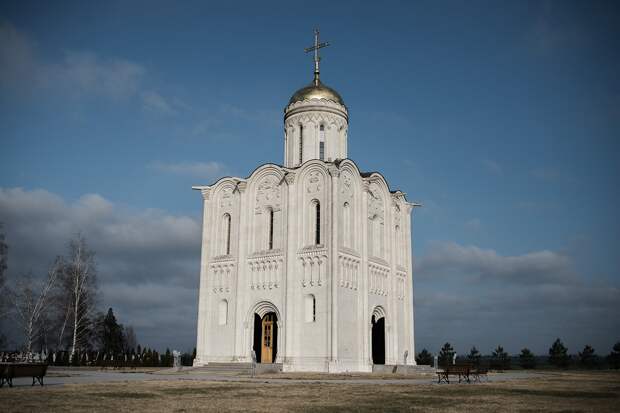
[64, 326]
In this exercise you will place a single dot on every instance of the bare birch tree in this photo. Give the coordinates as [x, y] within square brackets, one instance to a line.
[79, 291]
[30, 302]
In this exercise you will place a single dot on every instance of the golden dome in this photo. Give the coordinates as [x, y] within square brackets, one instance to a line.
[316, 90]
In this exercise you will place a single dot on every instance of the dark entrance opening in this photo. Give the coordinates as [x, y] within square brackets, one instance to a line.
[378, 340]
[265, 337]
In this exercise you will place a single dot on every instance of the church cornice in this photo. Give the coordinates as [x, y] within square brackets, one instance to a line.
[289, 175]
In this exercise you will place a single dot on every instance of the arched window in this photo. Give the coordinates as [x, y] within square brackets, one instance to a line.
[223, 312]
[226, 233]
[346, 225]
[317, 224]
[270, 229]
[310, 310]
[322, 142]
[301, 144]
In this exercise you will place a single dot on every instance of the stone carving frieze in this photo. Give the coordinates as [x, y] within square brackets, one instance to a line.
[375, 206]
[314, 182]
[226, 198]
[316, 118]
[396, 216]
[346, 187]
[268, 194]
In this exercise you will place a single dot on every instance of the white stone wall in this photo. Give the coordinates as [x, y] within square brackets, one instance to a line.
[350, 273]
[361, 265]
[305, 119]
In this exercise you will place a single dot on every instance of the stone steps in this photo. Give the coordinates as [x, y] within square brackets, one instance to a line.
[226, 369]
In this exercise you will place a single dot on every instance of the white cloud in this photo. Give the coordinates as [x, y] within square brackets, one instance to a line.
[17, 59]
[204, 170]
[473, 296]
[153, 101]
[537, 267]
[86, 73]
[148, 260]
[77, 74]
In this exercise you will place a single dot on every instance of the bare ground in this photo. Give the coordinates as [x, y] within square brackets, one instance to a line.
[548, 392]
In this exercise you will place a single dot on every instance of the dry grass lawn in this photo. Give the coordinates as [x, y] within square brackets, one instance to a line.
[548, 392]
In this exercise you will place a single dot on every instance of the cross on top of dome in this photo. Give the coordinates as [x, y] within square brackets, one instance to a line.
[317, 58]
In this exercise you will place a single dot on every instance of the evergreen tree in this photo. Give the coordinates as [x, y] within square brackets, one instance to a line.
[167, 358]
[527, 360]
[587, 358]
[424, 358]
[446, 354]
[614, 357]
[558, 354]
[474, 356]
[111, 335]
[500, 359]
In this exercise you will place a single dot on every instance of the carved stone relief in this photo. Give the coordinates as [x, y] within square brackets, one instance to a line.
[313, 182]
[226, 198]
[346, 187]
[268, 194]
[375, 205]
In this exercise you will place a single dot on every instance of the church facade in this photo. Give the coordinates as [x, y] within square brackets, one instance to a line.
[308, 263]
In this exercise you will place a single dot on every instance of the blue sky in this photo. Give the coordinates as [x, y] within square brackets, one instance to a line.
[501, 118]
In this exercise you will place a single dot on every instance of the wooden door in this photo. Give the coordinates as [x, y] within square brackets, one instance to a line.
[267, 342]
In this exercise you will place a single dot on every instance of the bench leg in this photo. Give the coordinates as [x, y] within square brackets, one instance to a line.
[10, 381]
[33, 380]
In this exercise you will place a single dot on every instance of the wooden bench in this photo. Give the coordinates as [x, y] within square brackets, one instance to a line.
[461, 370]
[8, 371]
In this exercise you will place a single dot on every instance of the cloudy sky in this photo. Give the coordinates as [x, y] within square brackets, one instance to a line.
[501, 118]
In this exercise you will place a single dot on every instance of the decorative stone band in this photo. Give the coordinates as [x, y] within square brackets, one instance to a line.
[265, 271]
[221, 275]
[319, 105]
[313, 266]
[316, 118]
[348, 269]
[378, 279]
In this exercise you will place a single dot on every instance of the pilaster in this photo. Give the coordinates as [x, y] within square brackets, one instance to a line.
[241, 282]
[334, 172]
[202, 342]
[290, 241]
[365, 330]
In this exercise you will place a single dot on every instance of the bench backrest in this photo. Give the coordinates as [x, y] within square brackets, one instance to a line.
[27, 370]
[456, 368]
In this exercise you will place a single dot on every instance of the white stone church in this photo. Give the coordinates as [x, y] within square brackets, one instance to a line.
[307, 264]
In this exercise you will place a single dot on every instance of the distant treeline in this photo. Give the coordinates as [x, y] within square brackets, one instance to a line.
[140, 357]
[558, 357]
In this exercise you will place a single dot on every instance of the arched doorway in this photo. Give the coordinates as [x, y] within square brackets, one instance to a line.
[378, 340]
[265, 337]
